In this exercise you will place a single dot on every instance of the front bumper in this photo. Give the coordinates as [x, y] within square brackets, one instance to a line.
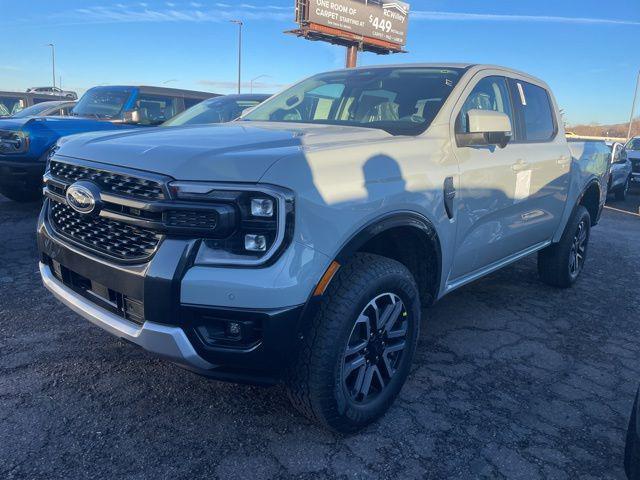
[21, 171]
[177, 310]
[168, 342]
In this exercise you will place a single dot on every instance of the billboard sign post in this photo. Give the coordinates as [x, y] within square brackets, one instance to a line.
[379, 26]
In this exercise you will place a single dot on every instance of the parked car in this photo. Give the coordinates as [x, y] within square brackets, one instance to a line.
[26, 143]
[13, 102]
[301, 242]
[47, 109]
[620, 172]
[58, 92]
[217, 110]
[632, 149]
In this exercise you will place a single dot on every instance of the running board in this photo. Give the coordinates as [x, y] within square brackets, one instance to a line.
[494, 266]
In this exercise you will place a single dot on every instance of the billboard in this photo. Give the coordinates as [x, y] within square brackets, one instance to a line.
[384, 22]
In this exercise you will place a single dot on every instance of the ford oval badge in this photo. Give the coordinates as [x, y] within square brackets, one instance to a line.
[83, 197]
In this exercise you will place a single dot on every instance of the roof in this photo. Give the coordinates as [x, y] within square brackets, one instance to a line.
[160, 90]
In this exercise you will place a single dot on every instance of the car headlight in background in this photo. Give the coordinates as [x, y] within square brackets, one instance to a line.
[13, 142]
[262, 222]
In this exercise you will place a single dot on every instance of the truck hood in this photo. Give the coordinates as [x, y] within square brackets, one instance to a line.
[13, 124]
[233, 152]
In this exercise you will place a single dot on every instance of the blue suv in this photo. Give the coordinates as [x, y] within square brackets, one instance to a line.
[26, 143]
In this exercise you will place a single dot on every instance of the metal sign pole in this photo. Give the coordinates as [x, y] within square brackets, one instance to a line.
[352, 56]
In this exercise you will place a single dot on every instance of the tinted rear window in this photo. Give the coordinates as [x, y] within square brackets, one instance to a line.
[537, 113]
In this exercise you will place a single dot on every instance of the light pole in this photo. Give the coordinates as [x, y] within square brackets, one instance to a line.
[240, 24]
[633, 106]
[53, 62]
[257, 78]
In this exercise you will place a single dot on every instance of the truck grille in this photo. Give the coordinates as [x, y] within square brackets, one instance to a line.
[105, 236]
[116, 183]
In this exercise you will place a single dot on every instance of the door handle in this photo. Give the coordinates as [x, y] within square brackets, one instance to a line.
[563, 161]
[449, 191]
[520, 165]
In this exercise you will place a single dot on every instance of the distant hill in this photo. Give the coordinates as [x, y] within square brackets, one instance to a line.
[594, 130]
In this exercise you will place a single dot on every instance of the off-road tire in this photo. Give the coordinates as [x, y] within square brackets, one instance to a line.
[554, 261]
[315, 382]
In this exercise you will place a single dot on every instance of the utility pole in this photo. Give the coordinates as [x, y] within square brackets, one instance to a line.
[240, 24]
[633, 106]
[53, 63]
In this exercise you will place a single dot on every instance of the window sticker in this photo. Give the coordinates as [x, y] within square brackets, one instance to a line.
[523, 186]
[523, 99]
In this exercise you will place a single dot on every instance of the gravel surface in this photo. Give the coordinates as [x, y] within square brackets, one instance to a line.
[512, 379]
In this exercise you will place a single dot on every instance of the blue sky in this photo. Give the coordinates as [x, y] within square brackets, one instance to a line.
[587, 50]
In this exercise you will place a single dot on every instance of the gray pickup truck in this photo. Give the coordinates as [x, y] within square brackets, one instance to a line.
[301, 242]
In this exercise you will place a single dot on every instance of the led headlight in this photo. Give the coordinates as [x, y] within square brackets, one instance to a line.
[263, 221]
[13, 142]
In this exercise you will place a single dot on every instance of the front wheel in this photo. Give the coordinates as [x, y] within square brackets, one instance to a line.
[560, 265]
[358, 350]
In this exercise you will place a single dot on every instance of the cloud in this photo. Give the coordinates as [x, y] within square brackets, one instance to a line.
[174, 12]
[218, 12]
[489, 17]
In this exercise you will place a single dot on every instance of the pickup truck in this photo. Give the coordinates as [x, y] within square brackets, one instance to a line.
[301, 242]
[26, 142]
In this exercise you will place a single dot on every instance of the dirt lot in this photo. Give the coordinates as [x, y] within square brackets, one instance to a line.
[512, 380]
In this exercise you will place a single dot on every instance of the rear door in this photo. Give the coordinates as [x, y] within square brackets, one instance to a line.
[547, 156]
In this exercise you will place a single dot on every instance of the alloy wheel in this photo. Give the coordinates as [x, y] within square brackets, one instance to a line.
[578, 252]
[375, 348]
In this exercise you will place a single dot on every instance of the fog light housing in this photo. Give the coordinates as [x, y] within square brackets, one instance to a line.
[255, 243]
[261, 207]
[234, 329]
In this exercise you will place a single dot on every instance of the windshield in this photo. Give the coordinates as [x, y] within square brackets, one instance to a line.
[399, 100]
[10, 106]
[634, 144]
[102, 103]
[32, 111]
[217, 110]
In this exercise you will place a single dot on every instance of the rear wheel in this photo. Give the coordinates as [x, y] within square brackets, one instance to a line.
[623, 190]
[22, 194]
[560, 265]
[358, 350]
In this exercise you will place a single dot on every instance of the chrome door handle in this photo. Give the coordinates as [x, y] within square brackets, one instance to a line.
[563, 161]
[520, 165]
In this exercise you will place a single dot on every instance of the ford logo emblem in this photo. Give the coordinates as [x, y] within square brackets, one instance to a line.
[83, 197]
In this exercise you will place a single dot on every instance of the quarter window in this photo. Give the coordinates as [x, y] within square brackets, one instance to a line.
[491, 93]
[536, 111]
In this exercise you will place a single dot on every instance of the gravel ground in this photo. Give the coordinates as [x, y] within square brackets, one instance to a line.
[512, 380]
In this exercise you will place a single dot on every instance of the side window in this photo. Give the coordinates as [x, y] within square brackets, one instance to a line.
[491, 93]
[538, 117]
[155, 109]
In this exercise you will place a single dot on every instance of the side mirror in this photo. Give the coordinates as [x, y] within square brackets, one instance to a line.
[486, 127]
[131, 116]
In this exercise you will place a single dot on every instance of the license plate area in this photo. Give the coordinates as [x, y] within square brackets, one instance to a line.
[107, 298]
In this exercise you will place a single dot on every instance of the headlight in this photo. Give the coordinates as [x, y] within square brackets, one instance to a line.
[262, 221]
[13, 143]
